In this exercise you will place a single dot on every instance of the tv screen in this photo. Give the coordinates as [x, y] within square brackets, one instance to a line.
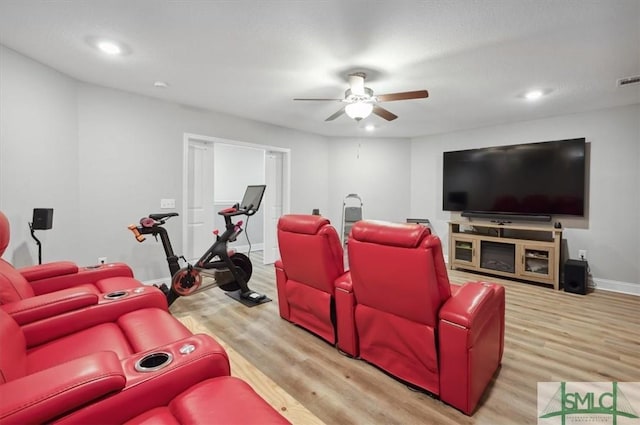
[546, 178]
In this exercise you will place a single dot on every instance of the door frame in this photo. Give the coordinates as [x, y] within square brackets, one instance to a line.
[286, 183]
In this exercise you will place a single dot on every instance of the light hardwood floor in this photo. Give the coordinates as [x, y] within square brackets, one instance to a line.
[550, 336]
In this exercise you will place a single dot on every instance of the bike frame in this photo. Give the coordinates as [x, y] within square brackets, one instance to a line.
[172, 259]
[219, 249]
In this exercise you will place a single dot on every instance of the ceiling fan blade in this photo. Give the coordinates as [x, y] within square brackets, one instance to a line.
[418, 94]
[389, 116]
[336, 115]
[356, 82]
[330, 100]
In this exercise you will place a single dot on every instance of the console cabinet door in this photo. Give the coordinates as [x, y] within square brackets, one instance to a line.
[536, 262]
[464, 252]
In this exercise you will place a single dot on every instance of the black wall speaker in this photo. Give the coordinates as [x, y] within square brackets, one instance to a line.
[576, 274]
[42, 218]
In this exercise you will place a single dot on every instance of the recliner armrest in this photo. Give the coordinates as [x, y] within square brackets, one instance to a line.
[281, 283]
[45, 395]
[343, 282]
[471, 341]
[147, 390]
[40, 307]
[345, 311]
[473, 304]
[48, 270]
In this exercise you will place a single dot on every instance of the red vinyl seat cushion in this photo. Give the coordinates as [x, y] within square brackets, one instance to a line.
[133, 332]
[223, 400]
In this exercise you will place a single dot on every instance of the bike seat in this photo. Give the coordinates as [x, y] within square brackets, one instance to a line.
[160, 216]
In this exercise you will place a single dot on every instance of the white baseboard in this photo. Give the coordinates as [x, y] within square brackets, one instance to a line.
[165, 280]
[616, 286]
[245, 248]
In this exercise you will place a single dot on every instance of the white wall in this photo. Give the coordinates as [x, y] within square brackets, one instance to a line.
[236, 167]
[103, 158]
[375, 169]
[38, 155]
[610, 233]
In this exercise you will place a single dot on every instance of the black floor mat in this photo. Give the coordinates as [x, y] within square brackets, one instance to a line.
[236, 296]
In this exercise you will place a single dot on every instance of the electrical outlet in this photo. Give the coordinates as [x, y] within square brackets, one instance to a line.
[582, 254]
[102, 260]
[167, 203]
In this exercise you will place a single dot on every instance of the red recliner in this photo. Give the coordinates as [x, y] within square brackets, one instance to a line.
[311, 259]
[397, 310]
[145, 367]
[26, 282]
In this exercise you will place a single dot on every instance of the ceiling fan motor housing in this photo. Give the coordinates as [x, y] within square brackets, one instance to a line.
[349, 97]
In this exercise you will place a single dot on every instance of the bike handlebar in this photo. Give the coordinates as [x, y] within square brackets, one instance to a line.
[236, 210]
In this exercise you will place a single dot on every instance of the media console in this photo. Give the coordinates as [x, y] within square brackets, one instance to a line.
[521, 251]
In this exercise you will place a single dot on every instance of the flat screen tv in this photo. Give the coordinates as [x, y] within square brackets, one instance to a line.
[532, 179]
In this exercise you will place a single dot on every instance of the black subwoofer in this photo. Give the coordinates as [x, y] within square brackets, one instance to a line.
[576, 274]
[42, 218]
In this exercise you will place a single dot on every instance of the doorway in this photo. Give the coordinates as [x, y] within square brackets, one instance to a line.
[216, 172]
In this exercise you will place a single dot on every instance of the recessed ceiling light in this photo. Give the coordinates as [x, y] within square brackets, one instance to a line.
[370, 127]
[533, 94]
[109, 47]
[161, 84]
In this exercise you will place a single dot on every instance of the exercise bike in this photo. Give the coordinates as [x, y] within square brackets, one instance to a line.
[218, 266]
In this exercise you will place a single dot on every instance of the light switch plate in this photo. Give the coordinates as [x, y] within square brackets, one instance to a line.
[167, 203]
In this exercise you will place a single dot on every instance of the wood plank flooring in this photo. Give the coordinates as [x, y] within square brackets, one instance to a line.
[288, 406]
[550, 336]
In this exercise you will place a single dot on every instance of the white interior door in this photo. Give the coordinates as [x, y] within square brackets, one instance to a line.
[273, 208]
[198, 193]
[200, 200]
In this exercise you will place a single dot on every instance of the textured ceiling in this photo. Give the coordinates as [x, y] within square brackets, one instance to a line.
[251, 58]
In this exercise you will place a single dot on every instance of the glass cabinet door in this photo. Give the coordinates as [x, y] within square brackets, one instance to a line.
[537, 262]
[464, 251]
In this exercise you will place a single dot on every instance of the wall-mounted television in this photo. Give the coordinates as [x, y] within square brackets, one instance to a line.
[535, 180]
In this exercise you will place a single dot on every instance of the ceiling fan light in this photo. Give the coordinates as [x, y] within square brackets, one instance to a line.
[358, 110]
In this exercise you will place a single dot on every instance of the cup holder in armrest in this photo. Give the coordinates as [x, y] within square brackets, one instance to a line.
[154, 361]
[115, 295]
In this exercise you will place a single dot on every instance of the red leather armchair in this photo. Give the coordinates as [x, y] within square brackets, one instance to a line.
[124, 330]
[110, 366]
[26, 282]
[311, 259]
[397, 310]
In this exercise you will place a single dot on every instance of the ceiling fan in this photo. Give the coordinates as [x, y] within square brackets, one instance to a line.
[361, 102]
